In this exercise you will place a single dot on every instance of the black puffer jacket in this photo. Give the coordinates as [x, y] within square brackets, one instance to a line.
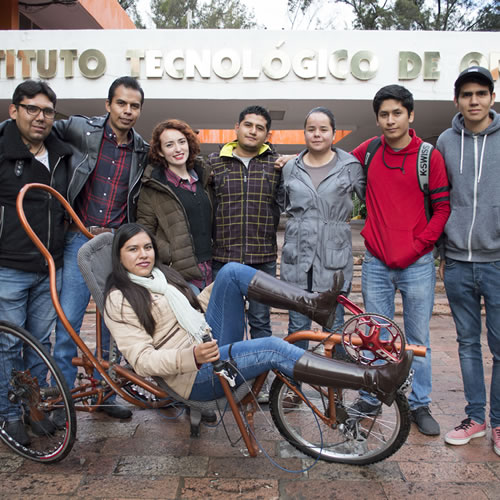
[44, 213]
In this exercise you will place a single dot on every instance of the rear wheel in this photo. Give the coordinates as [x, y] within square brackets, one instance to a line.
[34, 400]
[353, 438]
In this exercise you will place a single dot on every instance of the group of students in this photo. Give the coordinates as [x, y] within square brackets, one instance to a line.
[200, 220]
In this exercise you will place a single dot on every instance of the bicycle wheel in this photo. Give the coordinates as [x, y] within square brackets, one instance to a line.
[354, 438]
[41, 403]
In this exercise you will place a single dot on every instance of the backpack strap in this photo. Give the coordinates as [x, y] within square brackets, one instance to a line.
[370, 152]
[423, 167]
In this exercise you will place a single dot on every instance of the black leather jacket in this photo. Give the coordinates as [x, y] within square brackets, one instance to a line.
[84, 136]
[44, 213]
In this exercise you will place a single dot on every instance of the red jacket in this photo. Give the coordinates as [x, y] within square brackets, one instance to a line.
[396, 230]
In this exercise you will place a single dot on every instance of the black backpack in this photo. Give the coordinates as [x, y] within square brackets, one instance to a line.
[423, 167]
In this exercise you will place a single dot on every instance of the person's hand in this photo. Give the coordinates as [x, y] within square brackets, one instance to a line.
[208, 352]
[282, 160]
[441, 269]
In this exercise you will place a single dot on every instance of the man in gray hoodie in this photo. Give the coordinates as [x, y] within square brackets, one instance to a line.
[471, 149]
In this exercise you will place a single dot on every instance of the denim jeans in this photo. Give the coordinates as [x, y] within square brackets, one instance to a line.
[225, 315]
[259, 315]
[24, 301]
[416, 284]
[465, 283]
[74, 299]
[298, 322]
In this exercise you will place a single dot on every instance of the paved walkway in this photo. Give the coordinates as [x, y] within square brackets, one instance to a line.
[152, 456]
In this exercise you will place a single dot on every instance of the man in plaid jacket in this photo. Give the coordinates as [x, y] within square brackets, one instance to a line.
[246, 213]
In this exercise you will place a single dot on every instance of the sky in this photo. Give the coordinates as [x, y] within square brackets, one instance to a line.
[272, 14]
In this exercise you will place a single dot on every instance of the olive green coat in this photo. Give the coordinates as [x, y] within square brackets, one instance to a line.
[161, 211]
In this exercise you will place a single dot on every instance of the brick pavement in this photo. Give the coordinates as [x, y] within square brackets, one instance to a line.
[152, 456]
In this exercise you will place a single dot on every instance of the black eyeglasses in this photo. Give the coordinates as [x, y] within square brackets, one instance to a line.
[35, 110]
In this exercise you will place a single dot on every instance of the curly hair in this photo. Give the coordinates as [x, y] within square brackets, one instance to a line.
[183, 128]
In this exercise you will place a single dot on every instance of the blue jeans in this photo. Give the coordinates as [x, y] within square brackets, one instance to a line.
[24, 301]
[74, 300]
[298, 322]
[416, 284]
[225, 315]
[465, 283]
[259, 315]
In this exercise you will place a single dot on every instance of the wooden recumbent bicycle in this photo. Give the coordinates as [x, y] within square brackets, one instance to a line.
[322, 424]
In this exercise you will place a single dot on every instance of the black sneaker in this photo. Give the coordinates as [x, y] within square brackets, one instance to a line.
[16, 430]
[425, 422]
[43, 427]
[208, 416]
[58, 418]
[115, 410]
[362, 408]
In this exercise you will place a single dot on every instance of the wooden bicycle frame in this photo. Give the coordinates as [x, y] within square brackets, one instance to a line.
[89, 362]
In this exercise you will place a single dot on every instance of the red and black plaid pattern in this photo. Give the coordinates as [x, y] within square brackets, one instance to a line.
[103, 199]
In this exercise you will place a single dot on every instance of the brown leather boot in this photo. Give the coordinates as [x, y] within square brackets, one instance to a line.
[383, 381]
[320, 307]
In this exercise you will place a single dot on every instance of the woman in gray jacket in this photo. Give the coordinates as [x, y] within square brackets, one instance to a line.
[318, 186]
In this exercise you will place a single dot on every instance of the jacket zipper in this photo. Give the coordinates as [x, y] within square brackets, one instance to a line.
[1, 220]
[474, 204]
[131, 187]
[73, 178]
[50, 198]
[245, 211]
[167, 337]
[169, 191]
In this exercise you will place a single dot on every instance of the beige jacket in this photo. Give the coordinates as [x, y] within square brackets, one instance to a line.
[169, 353]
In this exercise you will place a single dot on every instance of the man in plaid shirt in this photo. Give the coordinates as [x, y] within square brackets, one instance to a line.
[246, 214]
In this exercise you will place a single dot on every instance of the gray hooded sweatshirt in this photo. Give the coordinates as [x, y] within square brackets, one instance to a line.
[472, 233]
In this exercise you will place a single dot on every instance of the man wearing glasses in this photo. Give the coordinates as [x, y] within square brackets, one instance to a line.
[29, 152]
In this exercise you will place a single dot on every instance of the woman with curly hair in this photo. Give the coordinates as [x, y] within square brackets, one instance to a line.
[174, 202]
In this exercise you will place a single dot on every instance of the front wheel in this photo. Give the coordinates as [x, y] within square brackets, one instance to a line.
[354, 437]
[34, 397]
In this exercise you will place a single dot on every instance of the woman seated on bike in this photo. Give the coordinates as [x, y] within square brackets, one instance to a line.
[157, 323]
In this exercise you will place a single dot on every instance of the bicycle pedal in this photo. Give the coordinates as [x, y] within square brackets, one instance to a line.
[406, 386]
[49, 392]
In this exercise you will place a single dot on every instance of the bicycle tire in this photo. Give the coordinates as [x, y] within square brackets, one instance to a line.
[353, 439]
[49, 442]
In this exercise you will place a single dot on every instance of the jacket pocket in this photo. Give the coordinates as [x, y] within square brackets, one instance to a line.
[394, 246]
[486, 230]
[337, 247]
[457, 228]
[291, 244]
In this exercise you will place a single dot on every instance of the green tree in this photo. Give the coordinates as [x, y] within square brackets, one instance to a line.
[216, 14]
[488, 18]
[172, 13]
[369, 14]
[439, 15]
[225, 14]
[130, 7]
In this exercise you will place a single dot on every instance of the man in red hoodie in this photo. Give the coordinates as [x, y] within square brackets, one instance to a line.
[399, 238]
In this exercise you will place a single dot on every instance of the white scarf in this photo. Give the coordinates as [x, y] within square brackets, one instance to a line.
[189, 318]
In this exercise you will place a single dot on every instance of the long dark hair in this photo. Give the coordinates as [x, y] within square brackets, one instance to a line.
[138, 296]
